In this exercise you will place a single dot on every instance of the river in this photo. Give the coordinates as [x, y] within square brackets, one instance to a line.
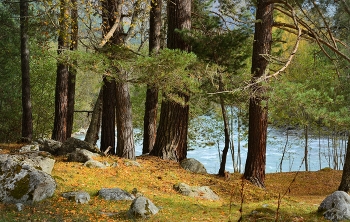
[321, 153]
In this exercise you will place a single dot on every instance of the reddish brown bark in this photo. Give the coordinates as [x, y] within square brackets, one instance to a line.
[171, 140]
[61, 93]
[72, 69]
[27, 118]
[256, 157]
[151, 104]
[345, 180]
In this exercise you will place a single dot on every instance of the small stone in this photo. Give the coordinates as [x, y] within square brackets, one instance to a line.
[19, 206]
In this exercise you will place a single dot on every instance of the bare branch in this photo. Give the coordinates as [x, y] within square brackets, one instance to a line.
[326, 24]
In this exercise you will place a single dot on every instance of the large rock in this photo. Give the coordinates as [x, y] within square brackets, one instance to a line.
[115, 194]
[29, 148]
[48, 145]
[77, 196]
[81, 155]
[142, 207]
[20, 182]
[193, 165]
[336, 206]
[40, 160]
[72, 143]
[202, 192]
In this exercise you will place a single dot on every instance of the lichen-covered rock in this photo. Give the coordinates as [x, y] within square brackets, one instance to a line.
[40, 160]
[203, 192]
[48, 145]
[142, 207]
[94, 164]
[193, 165]
[115, 194]
[29, 148]
[81, 155]
[20, 182]
[336, 206]
[77, 196]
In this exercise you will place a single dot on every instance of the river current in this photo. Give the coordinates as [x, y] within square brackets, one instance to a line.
[321, 153]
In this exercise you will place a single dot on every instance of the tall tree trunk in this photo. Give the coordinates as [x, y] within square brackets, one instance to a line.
[226, 130]
[95, 123]
[150, 119]
[27, 118]
[111, 12]
[108, 114]
[72, 69]
[256, 157]
[345, 180]
[171, 140]
[61, 93]
[151, 104]
[125, 135]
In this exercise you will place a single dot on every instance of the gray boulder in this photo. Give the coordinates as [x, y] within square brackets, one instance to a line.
[336, 206]
[39, 160]
[77, 196]
[142, 207]
[29, 148]
[94, 164]
[20, 182]
[193, 165]
[72, 143]
[81, 155]
[201, 192]
[48, 145]
[115, 194]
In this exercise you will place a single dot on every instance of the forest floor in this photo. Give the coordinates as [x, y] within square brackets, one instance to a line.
[293, 196]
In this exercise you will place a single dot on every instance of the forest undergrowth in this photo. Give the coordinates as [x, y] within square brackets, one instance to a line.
[304, 191]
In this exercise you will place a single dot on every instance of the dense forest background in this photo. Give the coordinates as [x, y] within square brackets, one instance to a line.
[202, 64]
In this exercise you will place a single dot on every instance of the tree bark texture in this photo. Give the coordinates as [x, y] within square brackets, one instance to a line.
[61, 92]
[345, 180]
[27, 117]
[256, 157]
[150, 119]
[111, 11]
[111, 15]
[171, 140]
[125, 135]
[72, 69]
[179, 17]
[108, 115]
[151, 104]
[95, 123]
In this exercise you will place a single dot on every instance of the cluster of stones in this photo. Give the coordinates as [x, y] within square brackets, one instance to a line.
[25, 177]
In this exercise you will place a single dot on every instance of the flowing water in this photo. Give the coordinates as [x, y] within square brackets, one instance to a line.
[321, 153]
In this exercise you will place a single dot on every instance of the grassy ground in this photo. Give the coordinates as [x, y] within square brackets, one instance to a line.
[155, 179]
